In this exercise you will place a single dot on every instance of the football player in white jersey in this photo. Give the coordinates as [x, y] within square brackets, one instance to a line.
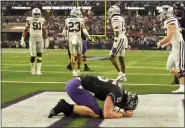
[37, 29]
[174, 36]
[120, 40]
[72, 29]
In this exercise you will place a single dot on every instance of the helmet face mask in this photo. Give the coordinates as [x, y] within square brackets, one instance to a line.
[165, 12]
[36, 13]
[113, 10]
[76, 12]
[129, 101]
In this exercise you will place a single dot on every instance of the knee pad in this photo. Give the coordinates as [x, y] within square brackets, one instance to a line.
[121, 60]
[32, 59]
[181, 73]
[39, 54]
[84, 58]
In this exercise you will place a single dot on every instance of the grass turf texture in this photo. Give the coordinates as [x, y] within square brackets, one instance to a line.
[142, 67]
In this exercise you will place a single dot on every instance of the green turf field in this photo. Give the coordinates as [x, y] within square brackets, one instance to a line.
[145, 71]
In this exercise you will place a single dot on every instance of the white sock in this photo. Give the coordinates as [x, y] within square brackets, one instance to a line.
[32, 65]
[78, 70]
[182, 86]
[120, 73]
[74, 71]
[39, 67]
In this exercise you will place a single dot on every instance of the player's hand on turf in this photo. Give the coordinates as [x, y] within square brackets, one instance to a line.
[46, 41]
[23, 44]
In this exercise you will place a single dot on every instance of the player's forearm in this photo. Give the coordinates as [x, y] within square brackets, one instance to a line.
[44, 33]
[86, 33]
[165, 40]
[24, 32]
[113, 114]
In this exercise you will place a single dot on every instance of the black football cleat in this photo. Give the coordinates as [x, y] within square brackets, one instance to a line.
[86, 68]
[69, 67]
[51, 114]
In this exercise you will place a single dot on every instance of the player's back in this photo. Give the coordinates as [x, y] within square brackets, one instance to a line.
[177, 35]
[118, 24]
[35, 26]
[74, 26]
[100, 86]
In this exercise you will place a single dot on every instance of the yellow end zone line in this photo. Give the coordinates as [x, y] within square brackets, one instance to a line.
[31, 82]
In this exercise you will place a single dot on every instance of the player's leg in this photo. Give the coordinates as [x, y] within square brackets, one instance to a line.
[79, 55]
[32, 45]
[122, 62]
[84, 56]
[69, 65]
[86, 103]
[39, 48]
[170, 65]
[112, 58]
[72, 48]
[180, 66]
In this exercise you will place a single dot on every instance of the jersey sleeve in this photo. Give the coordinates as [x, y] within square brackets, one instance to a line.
[116, 96]
[28, 22]
[171, 21]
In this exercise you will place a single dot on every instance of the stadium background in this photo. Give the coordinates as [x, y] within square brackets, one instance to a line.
[143, 26]
[145, 68]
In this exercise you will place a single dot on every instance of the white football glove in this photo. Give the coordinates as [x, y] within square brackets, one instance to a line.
[23, 44]
[162, 46]
[46, 41]
[158, 44]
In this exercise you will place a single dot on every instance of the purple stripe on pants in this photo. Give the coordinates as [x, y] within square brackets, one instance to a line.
[81, 96]
[84, 49]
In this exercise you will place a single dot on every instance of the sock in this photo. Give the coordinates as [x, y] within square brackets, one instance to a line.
[176, 79]
[39, 67]
[182, 86]
[32, 65]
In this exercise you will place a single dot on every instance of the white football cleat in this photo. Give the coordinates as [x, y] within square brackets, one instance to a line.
[78, 72]
[38, 73]
[75, 74]
[180, 90]
[121, 77]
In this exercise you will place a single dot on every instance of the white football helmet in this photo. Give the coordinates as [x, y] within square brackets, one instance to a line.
[36, 13]
[76, 12]
[114, 9]
[165, 12]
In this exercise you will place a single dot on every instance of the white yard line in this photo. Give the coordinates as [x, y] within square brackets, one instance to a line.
[68, 72]
[27, 82]
[48, 65]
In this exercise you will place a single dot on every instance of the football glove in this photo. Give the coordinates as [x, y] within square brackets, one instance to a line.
[46, 41]
[158, 44]
[23, 44]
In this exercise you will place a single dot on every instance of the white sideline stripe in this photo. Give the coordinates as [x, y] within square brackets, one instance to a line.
[150, 74]
[27, 82]
[91, 66]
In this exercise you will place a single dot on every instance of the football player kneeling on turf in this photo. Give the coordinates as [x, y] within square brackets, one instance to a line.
[84, 91]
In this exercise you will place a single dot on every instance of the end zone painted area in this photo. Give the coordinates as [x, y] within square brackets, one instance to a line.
[154, 110]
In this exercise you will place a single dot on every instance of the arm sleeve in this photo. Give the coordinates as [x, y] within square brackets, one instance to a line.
[27, 22]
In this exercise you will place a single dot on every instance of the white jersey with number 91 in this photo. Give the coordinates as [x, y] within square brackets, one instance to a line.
[35, 26]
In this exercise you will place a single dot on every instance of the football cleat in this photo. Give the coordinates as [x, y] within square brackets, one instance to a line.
[52, 113]
[38, 73]
[180, 90]
[87, 69]
[121, 77]
[75, 74]
[78, 72]
[69, 67]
